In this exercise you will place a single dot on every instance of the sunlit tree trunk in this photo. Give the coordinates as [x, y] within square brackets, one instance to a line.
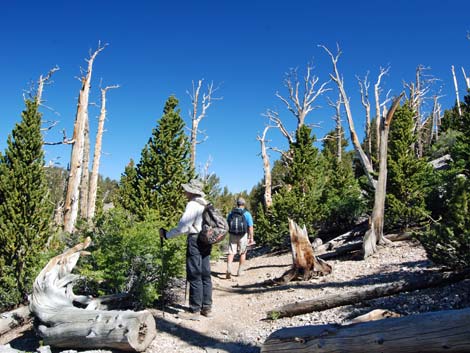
[97, 156]
[76, 160]
[375, 233]
[268, 201]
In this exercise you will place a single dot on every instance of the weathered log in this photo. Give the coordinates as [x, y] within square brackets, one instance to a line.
[377, 314]
[441, 331]
[370, 292]
[341, 249]
[62, 324]
[360, 229]
[305, 263]
[14, 318]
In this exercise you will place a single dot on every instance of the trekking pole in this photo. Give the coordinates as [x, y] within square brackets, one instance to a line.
[161, 276]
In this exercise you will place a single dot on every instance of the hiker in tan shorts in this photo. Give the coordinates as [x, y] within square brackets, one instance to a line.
[241, 234]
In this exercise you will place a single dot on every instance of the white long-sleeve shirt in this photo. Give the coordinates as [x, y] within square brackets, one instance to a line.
[191, 220]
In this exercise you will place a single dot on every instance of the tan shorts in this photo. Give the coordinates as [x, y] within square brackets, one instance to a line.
[237, 244]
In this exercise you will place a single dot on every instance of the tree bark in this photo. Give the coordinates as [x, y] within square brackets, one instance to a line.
[61, 324]
[268, 201]
[76, 160]
[441, 331]
[97, 157]
[456, 87]
[85, 179]
[375, 233]
[371, 292]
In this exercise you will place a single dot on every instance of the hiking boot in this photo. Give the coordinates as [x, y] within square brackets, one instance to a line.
[189, 315]
[228, 275]
[207, 312]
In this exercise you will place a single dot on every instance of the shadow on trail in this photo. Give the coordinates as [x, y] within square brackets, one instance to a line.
[199, 340]
[270, 286]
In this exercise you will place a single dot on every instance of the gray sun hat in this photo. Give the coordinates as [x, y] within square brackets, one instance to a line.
[194, 187]
[240, 201]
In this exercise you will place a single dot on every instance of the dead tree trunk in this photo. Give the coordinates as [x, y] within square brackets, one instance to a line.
[338, 79]
[63, 325]
[196, 117]
[268, 200]
[441, 331]
[305, 263]
[456, 91]
[97, 156]
[370, 292]
[85, 179]
[467, 79]
[375, 233]
[76, 161]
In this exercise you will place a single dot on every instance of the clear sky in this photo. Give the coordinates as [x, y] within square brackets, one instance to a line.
[157, 48]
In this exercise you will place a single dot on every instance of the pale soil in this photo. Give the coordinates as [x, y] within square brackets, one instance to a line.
[239, 323]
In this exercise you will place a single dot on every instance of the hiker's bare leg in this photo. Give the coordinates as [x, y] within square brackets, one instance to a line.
[229, 265]
[241, 265]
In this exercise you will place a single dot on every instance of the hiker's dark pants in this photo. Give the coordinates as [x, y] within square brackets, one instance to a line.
[198, 273]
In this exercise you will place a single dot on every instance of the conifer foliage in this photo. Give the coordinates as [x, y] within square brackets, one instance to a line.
[407, 185]
[25, 209]
[164, 165]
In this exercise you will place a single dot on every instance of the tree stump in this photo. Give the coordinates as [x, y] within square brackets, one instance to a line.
[305, 264]
[62, 324]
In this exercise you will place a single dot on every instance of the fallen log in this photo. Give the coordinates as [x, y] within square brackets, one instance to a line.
[358, 230]
[62, 324]
[305, 263]
[371, 292]
[11, 319]
[441, 331]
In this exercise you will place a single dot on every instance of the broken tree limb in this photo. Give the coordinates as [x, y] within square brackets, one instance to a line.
[440, 331]
[370, 292]
[62, 324]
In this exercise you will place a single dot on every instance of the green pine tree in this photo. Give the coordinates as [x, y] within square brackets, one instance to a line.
[25, 208]
[342, 198]
[164, 166]
[408, 175]
[299, 198]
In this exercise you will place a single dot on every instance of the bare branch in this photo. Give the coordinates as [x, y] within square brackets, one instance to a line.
[336, 77]
[300, 101]
[42, 81]
[273, 116]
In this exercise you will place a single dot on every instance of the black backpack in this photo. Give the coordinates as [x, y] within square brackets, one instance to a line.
[237, 222]
[214, 225]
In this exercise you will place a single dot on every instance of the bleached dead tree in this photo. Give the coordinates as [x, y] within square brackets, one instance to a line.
[375, 235]
[43, 80]
[364, 88]
[84, 182]
[456, 87]
[466, 78]
[338, 79]
[199, 111]
[378, 106]
[418, 93]
[97, 156]
[375, 232]
[302, 95]
[76, 160]
[436, 117]
[268, 200]
[338, 127]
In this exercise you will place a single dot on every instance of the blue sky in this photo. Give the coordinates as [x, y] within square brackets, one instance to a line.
[157, 48]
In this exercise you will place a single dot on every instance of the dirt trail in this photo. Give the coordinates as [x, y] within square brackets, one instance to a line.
[239, 323]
